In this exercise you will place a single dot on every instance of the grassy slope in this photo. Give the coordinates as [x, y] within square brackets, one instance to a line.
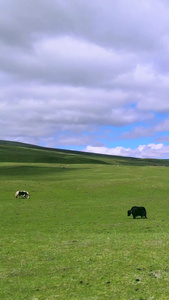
[20, 152]
[73, 239]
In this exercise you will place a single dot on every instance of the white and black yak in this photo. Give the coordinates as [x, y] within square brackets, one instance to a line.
[22, 194]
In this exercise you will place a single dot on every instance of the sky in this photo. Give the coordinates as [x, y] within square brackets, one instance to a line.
[86, 75]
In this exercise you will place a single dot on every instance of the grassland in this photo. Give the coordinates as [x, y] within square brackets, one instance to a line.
[72, 239]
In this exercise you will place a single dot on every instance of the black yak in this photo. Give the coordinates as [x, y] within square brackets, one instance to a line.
[136, 211]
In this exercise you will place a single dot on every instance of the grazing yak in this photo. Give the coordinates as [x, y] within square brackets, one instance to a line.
[22, 194]
[136, 211]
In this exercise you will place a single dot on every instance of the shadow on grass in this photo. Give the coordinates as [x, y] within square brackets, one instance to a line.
[14, 171]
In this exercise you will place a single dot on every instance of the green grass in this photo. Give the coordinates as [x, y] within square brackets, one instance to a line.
[73, 240]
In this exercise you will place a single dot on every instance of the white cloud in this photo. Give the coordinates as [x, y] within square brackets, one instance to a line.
[70, 69]
[142, 151]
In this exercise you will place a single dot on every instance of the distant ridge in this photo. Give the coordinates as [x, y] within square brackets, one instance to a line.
[11, 151]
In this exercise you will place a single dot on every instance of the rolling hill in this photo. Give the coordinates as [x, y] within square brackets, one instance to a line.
[27, 153]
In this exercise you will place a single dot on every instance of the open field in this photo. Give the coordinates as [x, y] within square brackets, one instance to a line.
[72, 239]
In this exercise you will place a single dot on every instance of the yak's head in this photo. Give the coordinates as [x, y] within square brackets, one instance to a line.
[129, 212]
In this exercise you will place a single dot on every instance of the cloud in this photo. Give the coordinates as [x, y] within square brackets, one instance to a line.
[117, 23]
[142, 151]
[147, 131]
[138, 132]
[54, 109]
[72, 69]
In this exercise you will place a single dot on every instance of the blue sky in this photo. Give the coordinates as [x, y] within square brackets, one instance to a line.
[86, 75]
